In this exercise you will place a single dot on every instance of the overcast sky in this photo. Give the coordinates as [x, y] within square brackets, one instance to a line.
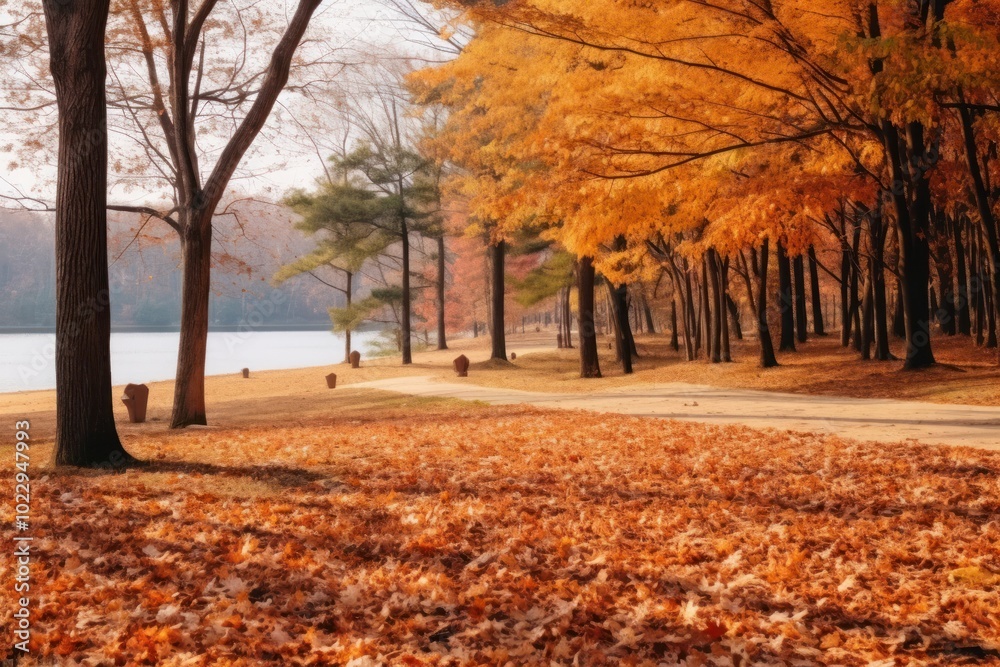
[362, 26]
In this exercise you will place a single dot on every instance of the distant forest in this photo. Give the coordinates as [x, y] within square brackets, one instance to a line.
[146, 280]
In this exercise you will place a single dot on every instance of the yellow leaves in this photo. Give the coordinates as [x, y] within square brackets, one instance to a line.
[729, 123]
[974, 577]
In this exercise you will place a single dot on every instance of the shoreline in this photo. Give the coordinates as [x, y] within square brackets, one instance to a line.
[174, 328]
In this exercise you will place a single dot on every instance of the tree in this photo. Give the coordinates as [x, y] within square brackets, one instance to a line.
[801, 319]
[590, 366]
[198, 199]
[431, 183]
[677, 126]
[498, 343]
[378, 205]
[394, 172]
[345, 219]
[767, 358]
[785, 300]
[190, 114]
[85, 423]
[815, 298]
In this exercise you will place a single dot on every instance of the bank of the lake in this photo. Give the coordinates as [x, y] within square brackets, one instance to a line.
[27, 359]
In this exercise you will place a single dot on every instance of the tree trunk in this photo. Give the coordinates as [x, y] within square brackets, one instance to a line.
[911, 199]
[946, 311]
[817, 303]
[962, 306]
[898, 317]
[767, 358]
[867, 318]
[717, 315]
[706, 310]
[442, 343]
[976, 284]
[691, 328]
[912, 229]
[497, 333]
[406, 324]
[846, 269]
[674, 341]
[855, 300]
[734, 315]
[619, 296]
[858, 337]
[721, 269]
[801, 319]
[877, 232]
[198, 202]
[614, 327]
[991, 313]
[630, 332]
[986, 217]
[881, 315]
[589, 364]
[189, 388]
[647, 313]
[730, 305]
[787, 343]
[349, 293]
[567, 319]
[85, 421]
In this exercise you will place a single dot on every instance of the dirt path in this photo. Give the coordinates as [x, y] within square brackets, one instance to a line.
[881, 420]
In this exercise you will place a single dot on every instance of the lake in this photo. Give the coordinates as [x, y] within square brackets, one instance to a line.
[27, 360]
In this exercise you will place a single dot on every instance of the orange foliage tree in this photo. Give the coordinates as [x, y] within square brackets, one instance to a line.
[694, 133]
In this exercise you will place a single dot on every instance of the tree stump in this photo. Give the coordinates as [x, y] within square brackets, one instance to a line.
[559, 342]
[462, 366]
[331, 380]
[355, 359]
[246, 372]
[513, 356]
[135, 398]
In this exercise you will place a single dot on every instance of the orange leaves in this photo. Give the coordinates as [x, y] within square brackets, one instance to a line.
[67, 646]
[726, 122]
[544, 537]
[154, 599]
[235, 621]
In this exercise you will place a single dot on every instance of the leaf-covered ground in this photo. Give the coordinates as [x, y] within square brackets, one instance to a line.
[497, 536]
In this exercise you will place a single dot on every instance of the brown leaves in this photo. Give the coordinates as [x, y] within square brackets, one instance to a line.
[489, 536]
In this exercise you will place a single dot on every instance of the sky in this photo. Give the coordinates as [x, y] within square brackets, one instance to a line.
[275, 165]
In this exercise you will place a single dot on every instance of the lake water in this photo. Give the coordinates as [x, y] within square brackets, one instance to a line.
[27, 360]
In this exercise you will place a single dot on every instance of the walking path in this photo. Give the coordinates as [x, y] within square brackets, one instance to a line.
[882, 420]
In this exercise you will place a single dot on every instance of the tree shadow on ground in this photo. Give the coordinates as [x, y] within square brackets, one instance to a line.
[274, 474]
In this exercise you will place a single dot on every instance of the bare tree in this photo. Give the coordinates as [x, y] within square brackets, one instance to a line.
[191, 89]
